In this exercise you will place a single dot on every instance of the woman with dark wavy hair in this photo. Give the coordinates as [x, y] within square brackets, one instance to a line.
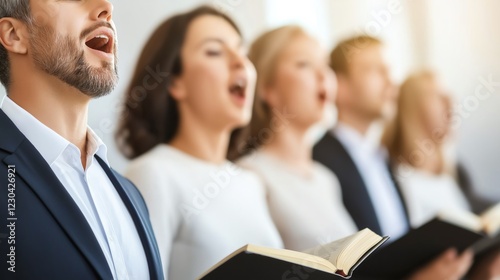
[193, 85]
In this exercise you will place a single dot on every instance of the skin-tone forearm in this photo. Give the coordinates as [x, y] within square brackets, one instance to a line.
[487, 268]
[448, 266]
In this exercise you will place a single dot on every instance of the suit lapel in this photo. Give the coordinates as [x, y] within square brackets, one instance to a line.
[400, 194]
[38, 175]
[139, 218]
[355, 193]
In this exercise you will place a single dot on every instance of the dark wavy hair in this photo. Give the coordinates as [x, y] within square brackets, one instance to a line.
[151, 114]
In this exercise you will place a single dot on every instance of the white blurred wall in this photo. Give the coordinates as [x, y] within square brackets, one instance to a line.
[458, 38]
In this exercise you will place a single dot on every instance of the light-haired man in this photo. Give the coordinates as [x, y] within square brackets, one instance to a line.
[366, 96]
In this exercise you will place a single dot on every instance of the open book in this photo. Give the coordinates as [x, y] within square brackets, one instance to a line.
[336, 259]
[457, 229]
[487, 223]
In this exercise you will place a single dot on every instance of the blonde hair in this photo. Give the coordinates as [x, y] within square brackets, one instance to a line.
[343, 52]
[264, 54]
[399, 136]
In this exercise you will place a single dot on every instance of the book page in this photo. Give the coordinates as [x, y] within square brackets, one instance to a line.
[357, 249]
[332, 251]
[295, 257]
[491, 220]
[463, 219]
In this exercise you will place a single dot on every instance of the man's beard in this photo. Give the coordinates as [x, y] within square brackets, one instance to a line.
[60, 56]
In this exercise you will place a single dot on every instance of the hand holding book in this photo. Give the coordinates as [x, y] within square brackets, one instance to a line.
[448, 265]
[420, 246]
[487, 267]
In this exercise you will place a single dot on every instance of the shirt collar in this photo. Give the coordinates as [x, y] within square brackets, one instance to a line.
[356, 142]
[51, 145]
[95, 146]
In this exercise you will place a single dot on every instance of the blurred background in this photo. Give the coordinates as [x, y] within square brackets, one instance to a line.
[458, 38]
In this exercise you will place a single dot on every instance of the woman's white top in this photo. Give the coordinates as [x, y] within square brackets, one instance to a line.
[427, 195]
[307, 210]
[200, 212]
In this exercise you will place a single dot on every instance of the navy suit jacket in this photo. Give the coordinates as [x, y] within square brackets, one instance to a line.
[331, 153]
[52, 237]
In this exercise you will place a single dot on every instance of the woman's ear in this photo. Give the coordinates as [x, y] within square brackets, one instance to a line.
[177, 89]
[13, 35]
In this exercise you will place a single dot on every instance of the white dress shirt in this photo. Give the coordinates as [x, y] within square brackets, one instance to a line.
[306, 208]
[91, 190]
[201, 212]
[371, 160]
[428, 195]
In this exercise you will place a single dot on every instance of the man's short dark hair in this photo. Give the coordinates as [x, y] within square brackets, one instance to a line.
[18, 9]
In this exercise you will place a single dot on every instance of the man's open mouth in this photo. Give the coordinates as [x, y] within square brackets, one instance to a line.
[102, 39]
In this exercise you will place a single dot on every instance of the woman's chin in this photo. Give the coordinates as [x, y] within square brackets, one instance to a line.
[239, 121]
[243, 121]
[241, 117]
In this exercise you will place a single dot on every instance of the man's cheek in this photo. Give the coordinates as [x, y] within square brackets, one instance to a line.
[378, 90]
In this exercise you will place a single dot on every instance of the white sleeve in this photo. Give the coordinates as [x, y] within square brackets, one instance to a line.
[161, 196]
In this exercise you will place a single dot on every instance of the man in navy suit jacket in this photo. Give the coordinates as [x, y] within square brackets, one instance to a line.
[65, 214]
[366, 96]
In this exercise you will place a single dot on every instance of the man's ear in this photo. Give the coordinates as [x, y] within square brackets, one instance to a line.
[177, 88]
[13, 35]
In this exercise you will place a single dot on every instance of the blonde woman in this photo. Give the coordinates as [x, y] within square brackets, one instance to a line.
[294, 89]
[418, 142]
[430, 180]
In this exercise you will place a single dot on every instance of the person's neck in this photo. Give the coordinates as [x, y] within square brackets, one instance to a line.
[433, 164]
[201, 141]
[360, 124]
[432, 152]
[57, 105]
[292, 146]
